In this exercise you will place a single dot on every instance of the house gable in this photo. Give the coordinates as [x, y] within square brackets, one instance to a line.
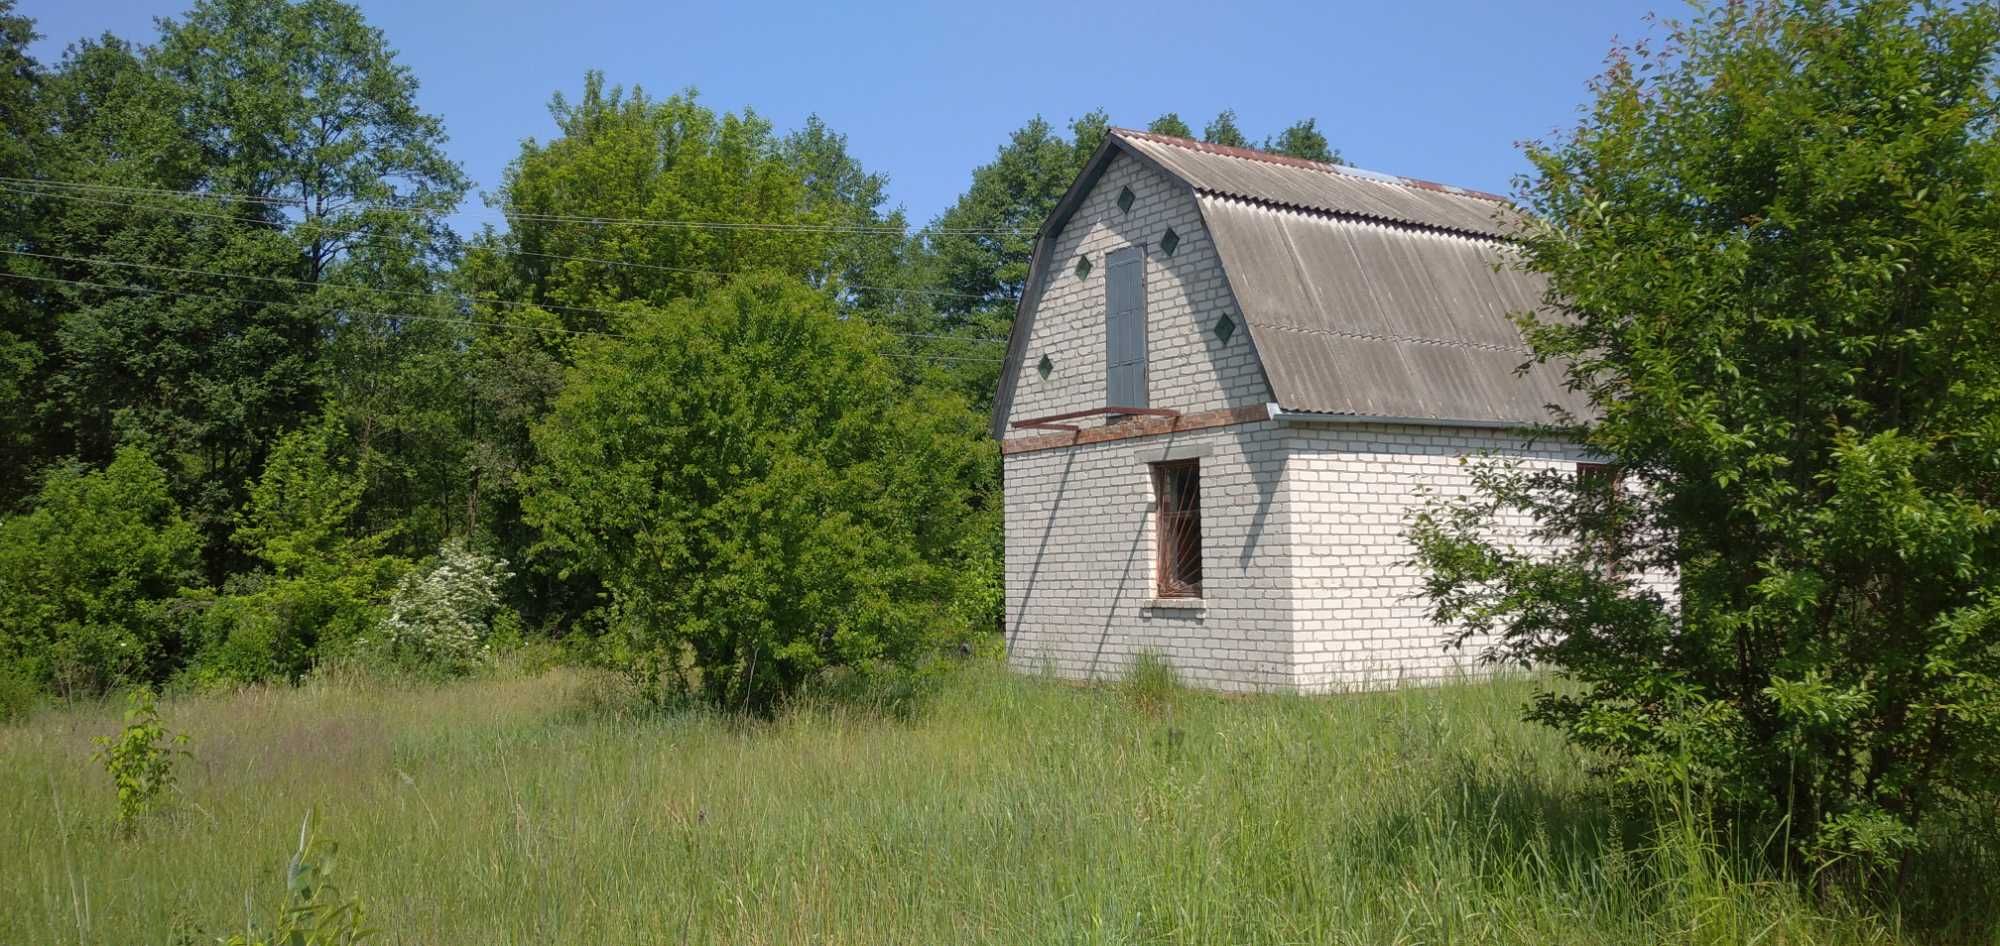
[1189, 366]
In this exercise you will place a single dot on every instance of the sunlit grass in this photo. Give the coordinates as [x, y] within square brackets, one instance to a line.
[1009, 810]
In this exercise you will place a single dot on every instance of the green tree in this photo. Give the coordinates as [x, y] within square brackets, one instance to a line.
[23, 330]
[303, 101]
[1303, 140]
[869, 264]
[760, 494]
[1223, 131]
[630, 157]
[87, 574]
[296, 121]
[978, 249]
[1773, 253]
[327, 580]
[1171, 124]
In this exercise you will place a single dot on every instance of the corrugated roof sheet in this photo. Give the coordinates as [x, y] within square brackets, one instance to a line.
[1366, 295]
[1329, 188]
[1353, 317]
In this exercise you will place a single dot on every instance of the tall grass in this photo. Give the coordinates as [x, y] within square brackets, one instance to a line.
[1009, 810]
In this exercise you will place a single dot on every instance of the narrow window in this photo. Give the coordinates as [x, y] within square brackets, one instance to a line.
[1125, 329]
[1178, 488]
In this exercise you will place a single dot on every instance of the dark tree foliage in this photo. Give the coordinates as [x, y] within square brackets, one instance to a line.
[1303, 140]
[1223, 131]
[24, 328]
[1170, 124]
[1773, 253]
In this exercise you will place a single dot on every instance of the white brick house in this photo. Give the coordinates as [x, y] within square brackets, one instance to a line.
[1309, 345]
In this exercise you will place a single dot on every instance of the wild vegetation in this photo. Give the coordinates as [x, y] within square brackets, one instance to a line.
[560, 808]
[706, 408]
[697, 431]
[1773, 252]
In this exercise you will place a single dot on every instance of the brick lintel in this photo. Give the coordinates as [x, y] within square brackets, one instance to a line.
[1140, 427]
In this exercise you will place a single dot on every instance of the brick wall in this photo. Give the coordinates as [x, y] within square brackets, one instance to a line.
[1357, 619]
[1190, 368]
[1080, 560]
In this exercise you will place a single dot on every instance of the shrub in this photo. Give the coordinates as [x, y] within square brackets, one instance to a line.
[17, 694]
[1773, 254]
[86, 574]
[438, 619]
[760, 495]
[140, 759]
[326, 577]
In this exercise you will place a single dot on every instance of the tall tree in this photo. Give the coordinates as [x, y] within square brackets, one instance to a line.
[978, 249]
[652, 165]
[302, 100]
[1170, 124]
[1223, 131]
[1302, 140]
[1773, 254]
[145, 349]
[867, 263]
[24, 331]
[264, 153]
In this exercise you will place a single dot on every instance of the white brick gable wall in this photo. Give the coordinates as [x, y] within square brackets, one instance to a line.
[1190, 369]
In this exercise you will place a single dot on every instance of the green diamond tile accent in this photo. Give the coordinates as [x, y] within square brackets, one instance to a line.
[1125, 199]
[1225, 327]
[1169, 241]
[1045, 366]
[1083, 267]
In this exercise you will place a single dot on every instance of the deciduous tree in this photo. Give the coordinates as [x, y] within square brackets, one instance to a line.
[1773, 254]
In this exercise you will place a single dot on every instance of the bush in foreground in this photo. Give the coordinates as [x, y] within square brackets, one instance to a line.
[760, 495]
[86, 575]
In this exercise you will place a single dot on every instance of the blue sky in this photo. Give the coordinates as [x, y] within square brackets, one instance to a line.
[1437, 89]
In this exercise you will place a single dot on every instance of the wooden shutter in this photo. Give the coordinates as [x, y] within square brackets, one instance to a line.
[1125, 329]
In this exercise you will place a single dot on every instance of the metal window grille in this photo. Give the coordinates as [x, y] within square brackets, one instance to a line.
[1178, 563]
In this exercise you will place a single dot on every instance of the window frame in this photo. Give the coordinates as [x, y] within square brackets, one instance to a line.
[1176, 524]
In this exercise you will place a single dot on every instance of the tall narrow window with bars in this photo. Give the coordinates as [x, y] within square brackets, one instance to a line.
[1177, 487]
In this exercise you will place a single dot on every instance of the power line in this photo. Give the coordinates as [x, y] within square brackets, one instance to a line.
[530, 216]
[215, 297]
[405, 316]
[407, 293]
[356, 231]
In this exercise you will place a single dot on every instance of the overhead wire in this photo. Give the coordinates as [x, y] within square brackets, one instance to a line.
[407, 293]
[353, 231]
[407, 316]
[531, 216]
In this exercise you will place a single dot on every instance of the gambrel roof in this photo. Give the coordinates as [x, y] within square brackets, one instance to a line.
[1366, 295]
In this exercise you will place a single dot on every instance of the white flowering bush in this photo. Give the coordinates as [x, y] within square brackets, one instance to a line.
[440, 618]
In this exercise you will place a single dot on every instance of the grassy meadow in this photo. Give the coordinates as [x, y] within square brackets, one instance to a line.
[537, 809]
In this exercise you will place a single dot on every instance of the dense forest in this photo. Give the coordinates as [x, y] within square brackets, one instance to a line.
[707, 408]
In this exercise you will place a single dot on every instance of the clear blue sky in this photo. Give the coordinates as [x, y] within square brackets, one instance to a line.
[1437, 89]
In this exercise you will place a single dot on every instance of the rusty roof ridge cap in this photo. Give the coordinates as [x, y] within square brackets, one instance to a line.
[1359, 216]
[1286, 160]
[1379, 337]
